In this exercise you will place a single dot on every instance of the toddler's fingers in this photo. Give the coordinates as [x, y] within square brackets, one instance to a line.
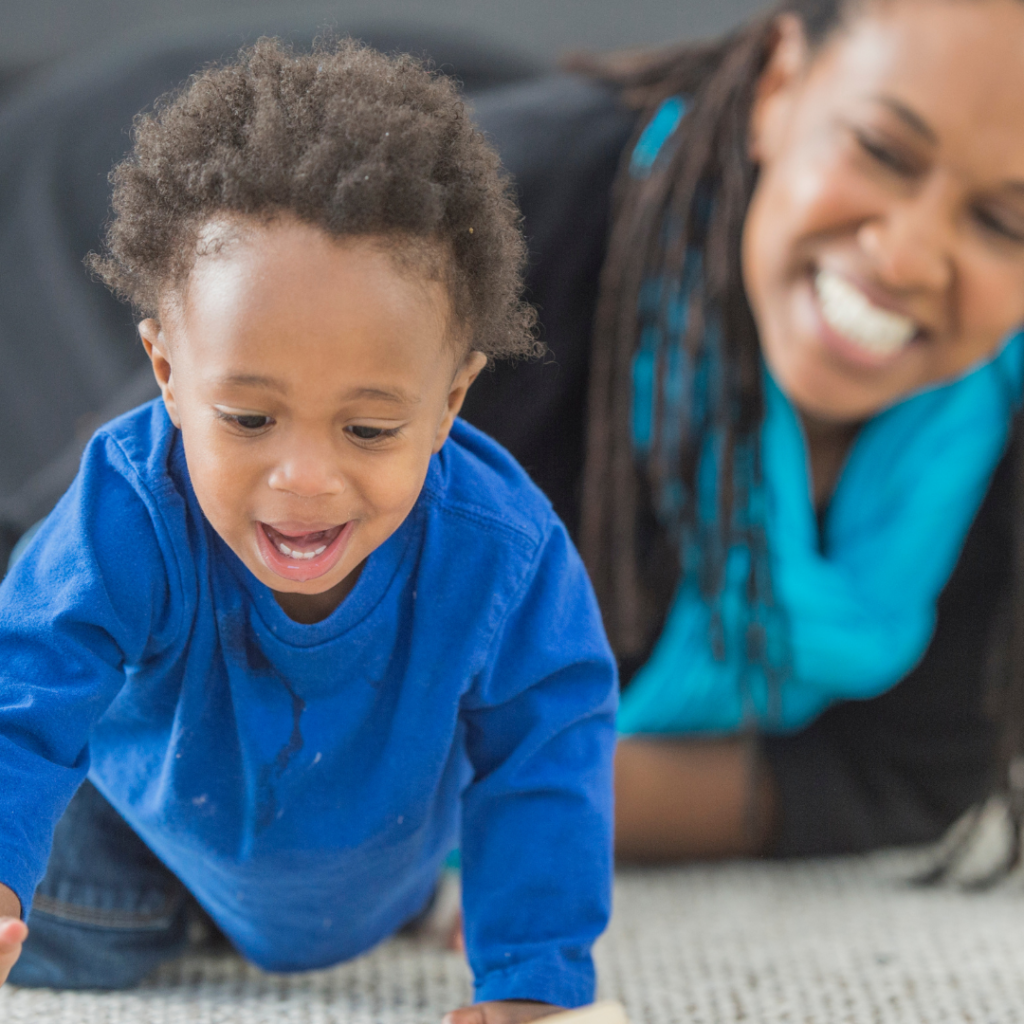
[13, 932]
[465, 1015]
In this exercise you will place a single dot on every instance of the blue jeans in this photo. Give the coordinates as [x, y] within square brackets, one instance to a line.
[107, 911]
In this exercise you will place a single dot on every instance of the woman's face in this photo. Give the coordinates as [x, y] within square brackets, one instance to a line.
[884, 245]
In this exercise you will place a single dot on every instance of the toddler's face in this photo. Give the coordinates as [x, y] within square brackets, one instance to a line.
[884, 246]
[312, 380]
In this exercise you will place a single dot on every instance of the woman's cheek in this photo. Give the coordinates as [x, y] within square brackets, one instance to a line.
[992, 301]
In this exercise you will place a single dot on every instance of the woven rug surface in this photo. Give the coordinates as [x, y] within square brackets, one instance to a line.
[823, 942]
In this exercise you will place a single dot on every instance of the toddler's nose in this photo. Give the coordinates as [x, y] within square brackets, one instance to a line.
[307, 473]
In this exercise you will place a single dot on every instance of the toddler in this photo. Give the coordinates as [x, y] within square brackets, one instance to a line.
[303, 629]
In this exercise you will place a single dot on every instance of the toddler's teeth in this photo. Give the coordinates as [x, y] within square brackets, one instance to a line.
[303, 555]
[849, 312]
[287, 551]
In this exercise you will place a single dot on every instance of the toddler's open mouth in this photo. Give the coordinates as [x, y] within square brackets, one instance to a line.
[301, 555]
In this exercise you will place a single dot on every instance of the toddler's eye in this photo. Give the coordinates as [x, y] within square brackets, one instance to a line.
[252, 422]
[371, 435]
[368, 433]
[248, 422]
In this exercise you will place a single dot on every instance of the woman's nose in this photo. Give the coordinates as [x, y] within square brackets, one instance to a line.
[912, 246]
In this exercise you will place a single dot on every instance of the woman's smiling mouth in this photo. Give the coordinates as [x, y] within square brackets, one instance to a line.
[870, 333]
[301, 555]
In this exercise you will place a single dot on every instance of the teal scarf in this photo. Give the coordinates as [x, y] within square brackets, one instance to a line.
[857, 599]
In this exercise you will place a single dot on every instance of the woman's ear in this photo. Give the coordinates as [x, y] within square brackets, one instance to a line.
[155, 344]
[468, 371]
[774, 90]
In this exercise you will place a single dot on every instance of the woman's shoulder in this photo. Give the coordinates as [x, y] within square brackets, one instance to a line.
[554, 113]
[561, 138]
[556, 134]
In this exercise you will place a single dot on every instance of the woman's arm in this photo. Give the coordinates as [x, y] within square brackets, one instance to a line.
[690, 799]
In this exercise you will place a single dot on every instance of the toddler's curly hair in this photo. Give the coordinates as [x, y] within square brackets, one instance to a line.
[343, 138]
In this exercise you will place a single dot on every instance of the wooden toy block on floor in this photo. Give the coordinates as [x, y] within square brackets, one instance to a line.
[608, 1011]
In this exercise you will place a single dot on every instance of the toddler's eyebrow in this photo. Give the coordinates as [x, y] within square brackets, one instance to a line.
[256, 380]
[383, 394]
[252, 380]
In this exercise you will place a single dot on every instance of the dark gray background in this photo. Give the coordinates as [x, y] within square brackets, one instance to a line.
[32, 31]
[73, 73]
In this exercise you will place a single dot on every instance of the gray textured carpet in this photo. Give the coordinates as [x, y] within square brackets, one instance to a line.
[828, 942]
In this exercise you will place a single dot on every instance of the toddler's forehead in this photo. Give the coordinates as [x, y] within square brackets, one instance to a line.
[267, 290]
[250, 238]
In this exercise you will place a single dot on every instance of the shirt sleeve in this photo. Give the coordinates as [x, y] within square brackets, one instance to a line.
[537, 816]
[89, 595]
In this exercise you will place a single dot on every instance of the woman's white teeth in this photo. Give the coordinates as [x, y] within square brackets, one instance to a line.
[285, 550]
[849, 312]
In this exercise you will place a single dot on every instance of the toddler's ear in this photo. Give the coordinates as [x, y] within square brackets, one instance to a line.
[155, 344]
[468, 371]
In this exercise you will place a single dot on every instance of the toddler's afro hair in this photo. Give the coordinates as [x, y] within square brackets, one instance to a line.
[343, 138]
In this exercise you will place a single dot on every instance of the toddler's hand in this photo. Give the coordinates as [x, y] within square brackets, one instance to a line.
[501, 1011]
[13, 933]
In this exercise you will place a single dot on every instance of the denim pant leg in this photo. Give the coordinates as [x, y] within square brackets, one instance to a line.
[107, 911]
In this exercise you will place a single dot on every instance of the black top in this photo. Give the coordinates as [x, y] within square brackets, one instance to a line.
[895, 769]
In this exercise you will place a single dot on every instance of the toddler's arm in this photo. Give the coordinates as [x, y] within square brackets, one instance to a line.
[537, 817]
[79, 606]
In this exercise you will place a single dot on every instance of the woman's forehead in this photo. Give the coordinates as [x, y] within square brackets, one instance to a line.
[954, 66]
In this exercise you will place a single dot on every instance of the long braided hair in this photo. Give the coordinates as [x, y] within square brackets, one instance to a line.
[700, 187]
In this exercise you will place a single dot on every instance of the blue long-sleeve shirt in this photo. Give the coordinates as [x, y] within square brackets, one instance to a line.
[307, 781]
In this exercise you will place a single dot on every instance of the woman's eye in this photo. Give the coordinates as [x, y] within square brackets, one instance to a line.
[885, 155]
[997, 225]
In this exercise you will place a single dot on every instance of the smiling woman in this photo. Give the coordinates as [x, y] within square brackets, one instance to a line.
[802, 376]
[884, 243]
